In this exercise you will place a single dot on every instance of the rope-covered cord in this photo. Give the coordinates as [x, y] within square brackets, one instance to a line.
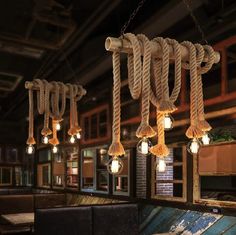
[76, 124]
[193, 131]
[177, 54]
[144, 129]
[31, 140]
[55, 101]
[46, 130]
[116, 148]
[166, 105]
[134, 67]
[202, 123]
[40, 96]
[160, 149]
[63, 99]
[71, 131]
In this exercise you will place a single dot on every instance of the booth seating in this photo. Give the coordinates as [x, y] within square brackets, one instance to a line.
[119, 219]
[15, 204]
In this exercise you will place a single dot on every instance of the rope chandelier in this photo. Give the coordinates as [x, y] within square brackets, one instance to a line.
[51, 102]
[148, 64]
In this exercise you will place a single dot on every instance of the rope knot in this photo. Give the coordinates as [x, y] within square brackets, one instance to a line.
[145, 130]
[194, 132]
[166, 106]
[116, 149]
[159, 150]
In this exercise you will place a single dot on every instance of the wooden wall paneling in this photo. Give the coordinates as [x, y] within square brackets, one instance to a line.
[221, 226]
[224, 72]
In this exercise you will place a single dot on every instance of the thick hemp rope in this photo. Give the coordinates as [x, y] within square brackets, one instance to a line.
[40, 96]
[160, 149]
[116, 148]
[166, 105]
[63, 99]
[144, 129]
[202, 123]
[54, 140]
[76, 125]
[134, 67]
[31, 140]
[193, 131]
[46, 130]
[72, 130]
[54, 114]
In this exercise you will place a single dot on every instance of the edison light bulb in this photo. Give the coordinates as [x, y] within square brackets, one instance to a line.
[72, 139]
[206, 139]
[54, 149]
[143, 146]
[115, 165]
[58, 126]
[193, 146]
[168, 122]
[45, 139]
[78, 135]
[30, 149]
[161, 167]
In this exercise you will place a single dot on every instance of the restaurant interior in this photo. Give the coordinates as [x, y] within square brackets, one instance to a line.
[118, 117]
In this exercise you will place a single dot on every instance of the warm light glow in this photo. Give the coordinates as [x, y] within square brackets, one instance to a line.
[206, 139]
[78, 135]
[161, 167]
[144, 145]
[72, 139]
[115, 165]
[193, 146]
[54, 149]
[168, 122]
[58, 126]
[45, 140]
[30, 149]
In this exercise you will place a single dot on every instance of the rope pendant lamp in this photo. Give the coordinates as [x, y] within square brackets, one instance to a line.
[51, 102]
[148, 74]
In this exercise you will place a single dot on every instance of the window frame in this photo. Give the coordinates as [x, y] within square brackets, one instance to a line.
[183, 181]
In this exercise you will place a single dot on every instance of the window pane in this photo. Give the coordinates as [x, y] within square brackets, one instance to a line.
[231, 63]
[94, 126]
[44, 155]
[6, 175]
[178, 190]
[88, 157]
[222, 188]
[86, 128]
[103, 123]
[12, 154]
[71, 156]
[178, 172]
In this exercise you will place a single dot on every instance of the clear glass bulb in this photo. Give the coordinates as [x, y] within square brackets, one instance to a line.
[161, 167]
[168, 122]
[206, 139]
[193, 146]
[58, 126]
[72, 139]
[78, 135]
[144, 145]
[45, 139]
[115, 165]
[30, 149]
[54, 149]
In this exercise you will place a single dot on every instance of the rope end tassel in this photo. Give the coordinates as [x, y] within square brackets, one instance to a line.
[145, 130]
[166, 107]
[116, 149]
[194, 131]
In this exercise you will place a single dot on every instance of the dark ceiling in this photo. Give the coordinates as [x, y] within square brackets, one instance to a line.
[64, 39]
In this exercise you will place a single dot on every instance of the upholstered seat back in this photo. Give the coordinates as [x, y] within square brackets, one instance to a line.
[64, 221]
[16, 204]
[115, 219]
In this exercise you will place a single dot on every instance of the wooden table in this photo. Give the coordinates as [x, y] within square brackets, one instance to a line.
[20, 219]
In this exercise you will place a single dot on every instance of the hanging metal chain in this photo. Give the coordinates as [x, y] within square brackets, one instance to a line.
[187, 3]
[132, 16]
